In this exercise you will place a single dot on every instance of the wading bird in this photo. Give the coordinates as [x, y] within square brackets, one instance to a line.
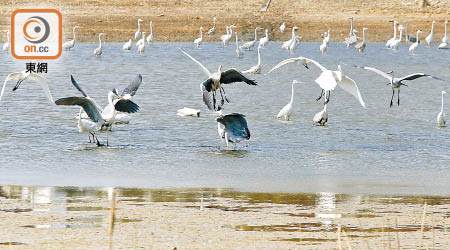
[215, 81]
[265, 40]
[286, 111]
[249, 45]
[441, 116]
[321, 117]
[430, 37]
[361, 46]
[257, 68]
[232, 128]
[408, 37]
[6, 45]
[388, 43]
[98, 51]
[282, 27]
[138, 33]
[212, 31]
[414, 46]
[141, 46]
[238, 49]
[394, 44]
[22, 76]
[352, 38]
[287, 44]
[127, 45]
[328, 79]
[70, 44]
[150, 36]
[188, 112]
[444, 44]
[324, 45]
[199, 40]
[395, 82]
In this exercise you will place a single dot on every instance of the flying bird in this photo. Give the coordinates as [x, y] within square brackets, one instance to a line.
[215, 81]
[396, 82]
[22, 76]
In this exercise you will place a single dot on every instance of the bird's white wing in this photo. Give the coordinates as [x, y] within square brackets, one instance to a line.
[381, 73]
[350, 86]
[9, 77]
[193, 59]
[41, 80]
[284, 62]
[326, 80]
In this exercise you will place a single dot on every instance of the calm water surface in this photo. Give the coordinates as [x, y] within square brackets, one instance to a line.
[378, 150]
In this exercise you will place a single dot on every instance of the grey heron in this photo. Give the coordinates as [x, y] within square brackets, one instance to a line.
[232, 128]
[215, 81]
[361, 46]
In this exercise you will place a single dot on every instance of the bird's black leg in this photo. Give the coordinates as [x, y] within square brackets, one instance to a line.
[392, 98]
[321, 94]
[214, 100]
[398, 97]
[327, 96]
[222, 101]
[89, 135]
[225, 95]
[98, 142]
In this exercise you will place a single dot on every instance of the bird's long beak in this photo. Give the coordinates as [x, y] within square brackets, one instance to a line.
[390, 72]
[17, 85]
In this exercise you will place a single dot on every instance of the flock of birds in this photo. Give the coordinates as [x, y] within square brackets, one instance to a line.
[232, 127]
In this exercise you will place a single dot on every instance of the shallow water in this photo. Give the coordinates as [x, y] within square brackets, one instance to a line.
[381, 150]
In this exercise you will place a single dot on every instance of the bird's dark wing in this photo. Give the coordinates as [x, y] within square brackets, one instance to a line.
[418, 75]
[133, 86]
[75, 84]
[236, 124]
[206, 87]
[86, 103]
[232, 75]
[125, 105]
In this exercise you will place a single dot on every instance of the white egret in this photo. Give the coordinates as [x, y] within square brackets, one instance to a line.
[441, 116]
[226, 38]
[138, 33]
[6, 45]
[141, 47]
[394, 44]
[98, 51]
[444, 44]
[232, 128]
[22, 76]
[414, 46]
[257, 68]
[265, 40]
[294, 44]
[361, 46]
[250, 44]
[324, 45]
[199, 40]
[395, 82]
[215, 81]
[282, 27]
[286, 111]
[238, 50]
[430, 37]
[188, 112]
[150, 36]
[212, 31]
[127, 45]
[70, 44]
[287, 44]
[388, 43]
[328, 79]
[321, 117]
[140, 41]
[223, 38]
[326, 39]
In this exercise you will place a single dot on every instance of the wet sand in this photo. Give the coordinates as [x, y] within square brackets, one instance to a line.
[176, 20]
[79, 218]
